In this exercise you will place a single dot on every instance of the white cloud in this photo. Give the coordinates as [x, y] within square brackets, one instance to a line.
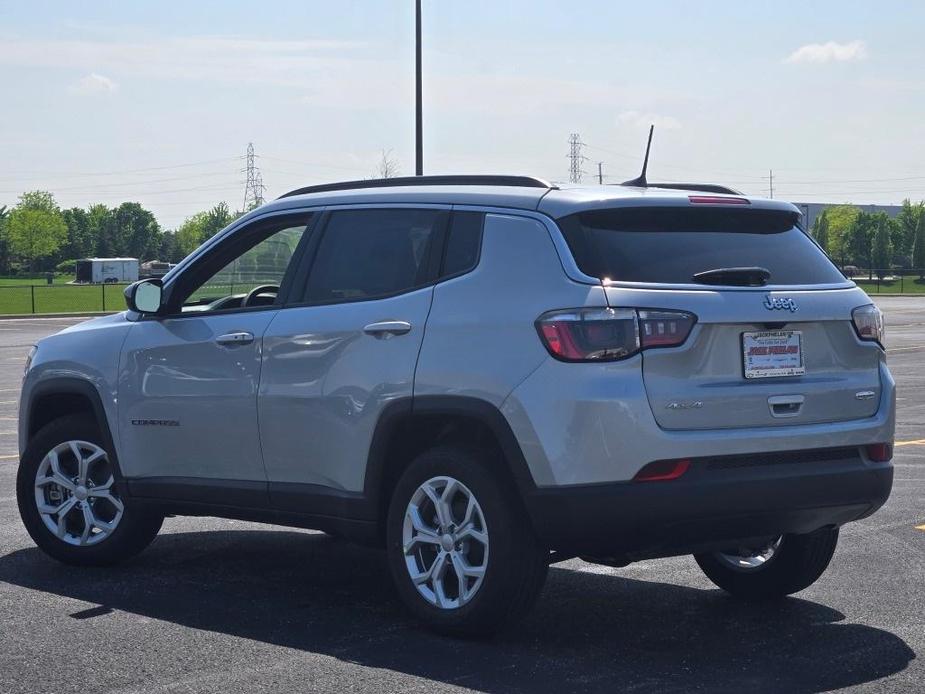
[828, 52]
[639, 119]
[93, 84]
[227, 59]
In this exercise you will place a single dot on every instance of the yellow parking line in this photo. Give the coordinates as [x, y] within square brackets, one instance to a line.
[8, 457]
[917, 442]
[920, 527]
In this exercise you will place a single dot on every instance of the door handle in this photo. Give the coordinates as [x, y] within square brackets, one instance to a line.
[237, 338]
[387, 328]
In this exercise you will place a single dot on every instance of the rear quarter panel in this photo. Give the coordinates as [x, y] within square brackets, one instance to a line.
[480, 339]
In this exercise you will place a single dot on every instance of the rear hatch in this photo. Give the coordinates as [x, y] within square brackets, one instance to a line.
[774, 343]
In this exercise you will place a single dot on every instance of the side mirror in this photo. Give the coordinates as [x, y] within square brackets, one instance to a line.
[144, 296]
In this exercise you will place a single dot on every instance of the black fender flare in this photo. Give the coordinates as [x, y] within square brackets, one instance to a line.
[63, 385]
[398, 411]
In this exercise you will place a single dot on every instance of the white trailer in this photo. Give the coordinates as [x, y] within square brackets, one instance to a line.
[107, 270]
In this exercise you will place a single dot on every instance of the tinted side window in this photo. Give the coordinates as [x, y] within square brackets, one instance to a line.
[365, 254]
[462, 246]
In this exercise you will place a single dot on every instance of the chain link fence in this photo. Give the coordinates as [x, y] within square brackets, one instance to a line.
[893, 281]
[60, 298]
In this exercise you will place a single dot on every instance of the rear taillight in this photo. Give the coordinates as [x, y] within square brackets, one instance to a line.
[662, 470]
[880, 452]
[868, 323]
[609, 334]
[664, 328]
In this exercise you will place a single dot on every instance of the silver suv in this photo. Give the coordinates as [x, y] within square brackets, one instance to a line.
[484, 375]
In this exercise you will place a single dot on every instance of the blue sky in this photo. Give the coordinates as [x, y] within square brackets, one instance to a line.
[156, 101]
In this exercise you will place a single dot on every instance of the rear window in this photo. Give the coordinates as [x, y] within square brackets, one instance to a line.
[671, 245]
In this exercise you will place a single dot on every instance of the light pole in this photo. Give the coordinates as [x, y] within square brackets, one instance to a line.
[418, 125]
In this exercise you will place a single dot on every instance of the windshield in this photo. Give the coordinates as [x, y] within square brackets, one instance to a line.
[671, 245]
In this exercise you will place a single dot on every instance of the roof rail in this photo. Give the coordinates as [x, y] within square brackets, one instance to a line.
[462, 180]
[699, 187]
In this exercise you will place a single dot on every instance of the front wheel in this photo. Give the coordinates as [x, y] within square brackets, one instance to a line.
[461, 550]
[779, 567]
[69, 501]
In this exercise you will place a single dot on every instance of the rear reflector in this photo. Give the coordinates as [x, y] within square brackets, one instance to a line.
[716, 200]
[662, 470]
[880, 452]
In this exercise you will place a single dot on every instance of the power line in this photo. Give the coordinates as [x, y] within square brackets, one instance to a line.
[139, 185]
[313, 164]
[253, 185]
[75, 174]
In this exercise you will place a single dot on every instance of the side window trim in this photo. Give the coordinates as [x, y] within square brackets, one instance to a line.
[238, 238]
[457, 210]
[433, 261]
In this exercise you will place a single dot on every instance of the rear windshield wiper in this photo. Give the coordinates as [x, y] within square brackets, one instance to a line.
[734, 276]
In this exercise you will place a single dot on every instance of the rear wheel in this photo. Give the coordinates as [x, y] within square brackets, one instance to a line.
[69, 501]
[462, 553]
[780, 567]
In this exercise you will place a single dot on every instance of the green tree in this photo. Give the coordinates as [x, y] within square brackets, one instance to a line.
[201, 226]
[907, 222]
[169, 249]
[840, 219]
[98, 222]
[857, 241]
[35, 228]
[821, 231]
[882, 247]
[918, 249]
[191, 233]
[4, 246]
[135, 231]
[81, 242]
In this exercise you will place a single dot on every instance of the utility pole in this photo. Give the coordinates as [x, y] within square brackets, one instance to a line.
[771, 183]
[253, 185]
[600, 173]
[418, 115]
[575, 158]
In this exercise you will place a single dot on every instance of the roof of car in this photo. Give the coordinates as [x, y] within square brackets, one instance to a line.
[555, 201]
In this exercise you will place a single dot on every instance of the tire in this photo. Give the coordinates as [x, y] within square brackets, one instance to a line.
[796, 563]
[514, 562]
[130, 531]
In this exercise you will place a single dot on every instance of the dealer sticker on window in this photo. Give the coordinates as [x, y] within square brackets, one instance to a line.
[773, 353]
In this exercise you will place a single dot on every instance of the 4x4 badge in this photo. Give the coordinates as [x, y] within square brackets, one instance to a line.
[773, 304]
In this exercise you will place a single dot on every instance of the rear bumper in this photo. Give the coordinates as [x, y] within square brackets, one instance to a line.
[718, 502]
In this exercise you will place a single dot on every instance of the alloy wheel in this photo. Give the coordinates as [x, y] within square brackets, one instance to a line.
[74, 493]
[445, 542]
[750, 558]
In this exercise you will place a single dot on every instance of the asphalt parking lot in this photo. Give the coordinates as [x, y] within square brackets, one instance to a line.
[225, 606]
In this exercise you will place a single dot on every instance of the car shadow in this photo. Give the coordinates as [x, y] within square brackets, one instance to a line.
[589, 631]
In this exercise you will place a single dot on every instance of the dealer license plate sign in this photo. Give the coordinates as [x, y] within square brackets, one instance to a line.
[773, 353]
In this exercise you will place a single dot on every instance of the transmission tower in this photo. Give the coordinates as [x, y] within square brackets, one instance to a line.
[575, 158]
[253, 186]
